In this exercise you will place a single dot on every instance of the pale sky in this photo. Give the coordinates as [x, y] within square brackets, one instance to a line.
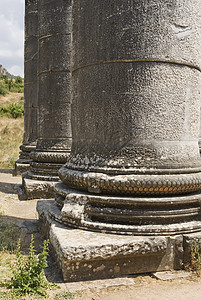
[12, 36]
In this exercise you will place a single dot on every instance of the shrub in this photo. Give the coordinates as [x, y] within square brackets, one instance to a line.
[16, 88]
[11, 85]
[28, 273]
[3, 88]
[12, 110]
[18, 80]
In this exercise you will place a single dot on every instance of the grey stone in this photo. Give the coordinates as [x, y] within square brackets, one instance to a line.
[139, 216]
[85, 255]
[166, 31]
[30, 87]
[135, 163]
[99, 284]
[169, 275]
[54, 103]
[21, 166]
[35, 189]
[199, 142]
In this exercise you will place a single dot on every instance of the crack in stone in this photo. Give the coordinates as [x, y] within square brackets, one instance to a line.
[31, 82]
[35, 54]
[136, 61]
[53, 70]
[51, 35]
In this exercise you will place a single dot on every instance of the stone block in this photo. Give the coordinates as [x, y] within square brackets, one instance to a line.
[21, 166]
[85, 255]
[35, 189]
[169, 275]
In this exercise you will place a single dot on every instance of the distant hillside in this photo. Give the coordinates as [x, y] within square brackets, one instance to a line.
[4, 72]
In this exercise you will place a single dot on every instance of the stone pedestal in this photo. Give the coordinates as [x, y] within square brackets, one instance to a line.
[84, 255]
[54, 125]
[30, 86]
[135, 165]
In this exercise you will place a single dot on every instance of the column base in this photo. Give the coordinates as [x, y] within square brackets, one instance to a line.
[40, 180]
[85, 255]
[21, 166]
[35, 189]
[171, 215]
[23, 163]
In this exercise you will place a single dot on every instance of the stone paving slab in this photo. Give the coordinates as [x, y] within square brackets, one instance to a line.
[169, 275]
[8, 181]
[99, 284]
[9, 202]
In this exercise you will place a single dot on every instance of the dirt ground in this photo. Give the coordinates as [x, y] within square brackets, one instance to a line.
[10, 97]
[129, 288]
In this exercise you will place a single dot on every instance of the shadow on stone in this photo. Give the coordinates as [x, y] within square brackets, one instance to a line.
[7, 171]
[8, 188]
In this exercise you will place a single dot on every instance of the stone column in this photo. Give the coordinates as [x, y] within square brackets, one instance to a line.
[54, 125]
[30, 86]
[135, 165]
[199, 142]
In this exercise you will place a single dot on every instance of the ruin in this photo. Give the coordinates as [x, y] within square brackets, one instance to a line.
[135, 165]
[54, 127]
[30, 86]
[129, 200]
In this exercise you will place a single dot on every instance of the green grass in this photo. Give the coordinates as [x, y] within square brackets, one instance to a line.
[3, 88]
[9, 234]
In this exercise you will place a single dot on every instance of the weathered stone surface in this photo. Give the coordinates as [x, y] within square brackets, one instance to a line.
[85, 255]
[189, 240]
[100, 284]
[169, 275]
[54, 125]
[35, 189]
[30, 86]
[135, 115]
[199, 142]
[166, 31]
[21, 166]
[128, 215]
